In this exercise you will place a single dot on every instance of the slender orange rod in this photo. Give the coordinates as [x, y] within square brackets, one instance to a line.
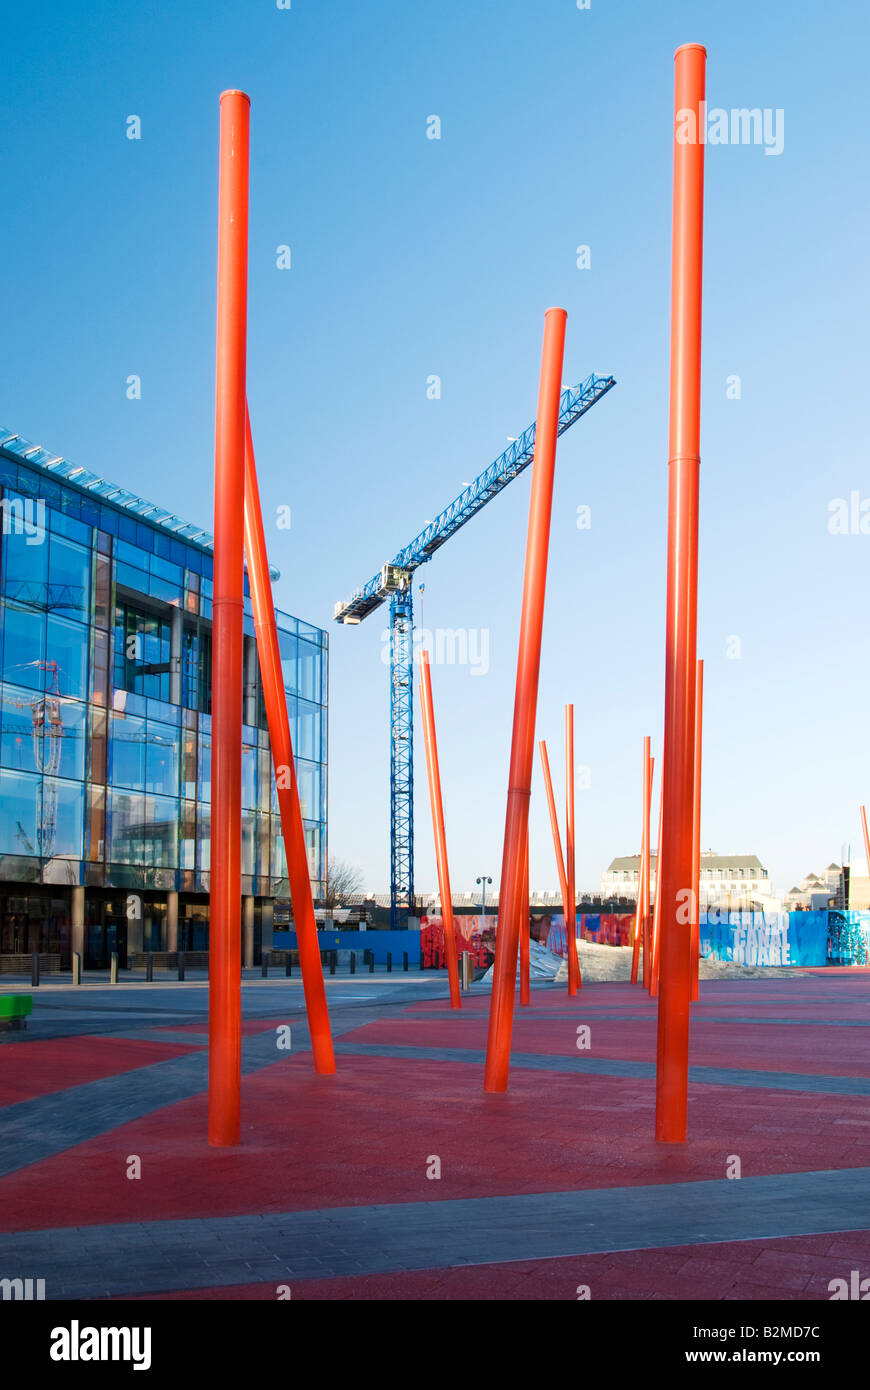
[287, 785]
[437, 804]
[675, 867]
[225, 888]
[525, 932]
[642, 907]
[554, 825]
[656, 921]
[867, 852]
[696, 830]
[498, 1043]
[574, 980]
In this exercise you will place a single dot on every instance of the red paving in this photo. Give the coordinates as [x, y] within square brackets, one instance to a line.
[37, 1068]
[797, 1267]
[364, 1136]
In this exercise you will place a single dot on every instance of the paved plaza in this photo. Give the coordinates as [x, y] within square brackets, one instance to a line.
[399, 1178]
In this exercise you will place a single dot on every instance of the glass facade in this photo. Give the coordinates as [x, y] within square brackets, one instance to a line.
[105, 728]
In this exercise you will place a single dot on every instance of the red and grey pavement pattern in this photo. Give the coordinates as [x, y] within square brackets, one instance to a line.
[556, 1187]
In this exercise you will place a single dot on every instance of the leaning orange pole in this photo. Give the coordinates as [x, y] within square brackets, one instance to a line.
[647, 919]
[285, 770]
[675, 867]
[437, 804]
[642, 906]
[525, 932]
[657, 913]
[696, 830]
[498, 1043]
[225, 895]
[570, 864]
[867, 852]
[554, 825]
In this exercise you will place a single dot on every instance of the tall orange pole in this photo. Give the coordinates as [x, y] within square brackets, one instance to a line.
[647, 921]
[696, 830]
[675, 866]
[525, 931]
[657, 914]
[498, 1043]
[570, 868]
[225, 944]
[863, 822]
[437, 804]
[642, 908]
[278, 721]
[554, 825]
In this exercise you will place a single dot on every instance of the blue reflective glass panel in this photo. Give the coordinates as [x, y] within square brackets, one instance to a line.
[69, 579]
[66, 646]
[161, 761]
[20, 800]
[63, 818]
[127, 826]
[127, 760]
[23, 646]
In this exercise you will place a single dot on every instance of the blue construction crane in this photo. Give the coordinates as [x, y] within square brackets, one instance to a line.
[394, 582]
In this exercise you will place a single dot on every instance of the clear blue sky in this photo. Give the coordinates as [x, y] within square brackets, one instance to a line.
[413, 257]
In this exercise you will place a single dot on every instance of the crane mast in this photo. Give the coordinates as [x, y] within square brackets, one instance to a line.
[394, 582]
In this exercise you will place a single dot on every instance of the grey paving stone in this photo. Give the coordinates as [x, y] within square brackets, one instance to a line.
[423, 1235]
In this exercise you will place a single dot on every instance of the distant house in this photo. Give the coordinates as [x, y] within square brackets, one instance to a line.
[726, 880]
[816, 892]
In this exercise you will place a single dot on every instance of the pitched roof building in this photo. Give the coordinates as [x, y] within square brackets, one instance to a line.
[735, 880]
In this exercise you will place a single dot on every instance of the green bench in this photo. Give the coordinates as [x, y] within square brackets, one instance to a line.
[14, 1010]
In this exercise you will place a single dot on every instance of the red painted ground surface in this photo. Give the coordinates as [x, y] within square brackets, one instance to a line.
[364, 1136]
[44, 1065]
[800, 1267]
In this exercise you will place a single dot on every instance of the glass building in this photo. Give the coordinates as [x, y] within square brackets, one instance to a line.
[105, 727]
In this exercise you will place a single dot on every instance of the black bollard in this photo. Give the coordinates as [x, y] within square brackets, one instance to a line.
[181, 965]
[288, 965]
[264, 965]
[333, 961]
[34, 968]
[149, 968]
[389, 962]
[404, 960]
[353, 962]
[371, 962]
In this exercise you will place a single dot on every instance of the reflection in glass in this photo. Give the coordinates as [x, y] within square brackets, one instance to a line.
[69, 579]
[63, 806]
[67, 649]
[20, 797]
[23, 646]
[161, 762]
[128, 751]
[160, 847]
[309, 671]
[126, 827]
[249, 777]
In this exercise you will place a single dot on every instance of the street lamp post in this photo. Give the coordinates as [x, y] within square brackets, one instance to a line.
[483, 881]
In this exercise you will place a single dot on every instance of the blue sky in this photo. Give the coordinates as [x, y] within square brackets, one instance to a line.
[413, 257]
